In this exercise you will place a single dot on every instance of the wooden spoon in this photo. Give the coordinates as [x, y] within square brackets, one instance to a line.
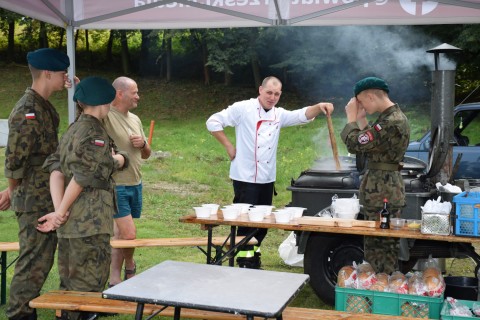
[333, 142]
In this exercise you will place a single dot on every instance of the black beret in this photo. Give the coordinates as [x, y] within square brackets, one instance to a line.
[48, 59]
[370, 83]
[94, 91]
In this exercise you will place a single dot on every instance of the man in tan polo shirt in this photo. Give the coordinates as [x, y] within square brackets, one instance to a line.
[126, 130]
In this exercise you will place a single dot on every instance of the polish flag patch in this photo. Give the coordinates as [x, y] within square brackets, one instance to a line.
[99, 143]
[30, 115]
[377, 127]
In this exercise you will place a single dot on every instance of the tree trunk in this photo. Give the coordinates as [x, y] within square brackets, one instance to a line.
[60, 40]
[109, 54]
[160, 59]
[42, 37]
[256, 70]
[11, 41]
[228, 78]
[124, 52]
[168, 57]
[87, 47]
[206, 70]
[77, 34]
[144, 63]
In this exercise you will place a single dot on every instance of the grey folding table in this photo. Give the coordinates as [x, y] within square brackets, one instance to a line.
[208, 287]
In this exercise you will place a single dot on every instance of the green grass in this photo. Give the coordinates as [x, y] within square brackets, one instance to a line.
[197, 170]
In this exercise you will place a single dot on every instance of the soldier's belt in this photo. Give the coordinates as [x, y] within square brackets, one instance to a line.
[385, 166]
[37, 160]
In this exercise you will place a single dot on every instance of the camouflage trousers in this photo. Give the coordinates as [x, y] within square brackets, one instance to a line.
[35, 259]
[380, 252]
[83, 265]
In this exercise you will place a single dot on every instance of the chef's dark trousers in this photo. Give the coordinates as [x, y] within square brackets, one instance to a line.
[255, 194]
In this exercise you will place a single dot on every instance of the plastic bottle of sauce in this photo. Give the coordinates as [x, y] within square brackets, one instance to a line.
[384, 216]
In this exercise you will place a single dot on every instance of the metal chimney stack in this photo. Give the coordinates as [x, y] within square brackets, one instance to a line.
[442, 105]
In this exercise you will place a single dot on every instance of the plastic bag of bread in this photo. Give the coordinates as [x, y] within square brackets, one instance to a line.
[457, 308]
[416, 285]
[346, 277]
[434, 282]
[381, 284]
[365, 276]
[397, 283]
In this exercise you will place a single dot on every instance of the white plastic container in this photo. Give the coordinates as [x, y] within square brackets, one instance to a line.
[297, 212]
[268, 209]
[202, 212]
[230, 213]
[256, 214]
[213, 208]
[283, 216]
[244, 206]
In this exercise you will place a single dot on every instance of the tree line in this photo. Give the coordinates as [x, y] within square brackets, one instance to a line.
[310, 60]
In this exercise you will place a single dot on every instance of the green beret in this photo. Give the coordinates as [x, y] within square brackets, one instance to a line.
[370, 83]
[48, 59]
[94, 91]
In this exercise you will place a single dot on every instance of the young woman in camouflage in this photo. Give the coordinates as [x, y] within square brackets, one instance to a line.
[84, 162]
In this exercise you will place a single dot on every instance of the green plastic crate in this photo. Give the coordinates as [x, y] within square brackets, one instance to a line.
[388, 303]
[445, 313]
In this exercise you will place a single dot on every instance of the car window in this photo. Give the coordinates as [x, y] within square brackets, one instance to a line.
[467, 125]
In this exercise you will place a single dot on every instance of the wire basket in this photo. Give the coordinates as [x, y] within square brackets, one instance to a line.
[436, 223]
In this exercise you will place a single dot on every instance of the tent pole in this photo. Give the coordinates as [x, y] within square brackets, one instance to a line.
[71, 54]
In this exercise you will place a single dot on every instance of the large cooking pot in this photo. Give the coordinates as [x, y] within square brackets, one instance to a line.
[323, 174]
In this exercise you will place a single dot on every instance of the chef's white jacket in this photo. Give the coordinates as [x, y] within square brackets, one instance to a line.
[257, 133]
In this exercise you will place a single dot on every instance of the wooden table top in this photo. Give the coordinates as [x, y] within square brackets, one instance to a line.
[294, 225]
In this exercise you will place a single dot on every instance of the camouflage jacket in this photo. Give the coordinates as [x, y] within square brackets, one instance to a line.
[32, 136]
[384, 142]
[85, 152]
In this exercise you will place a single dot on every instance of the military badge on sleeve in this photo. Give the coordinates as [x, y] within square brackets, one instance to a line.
[30, 116]
[365, 138]
[377, 127]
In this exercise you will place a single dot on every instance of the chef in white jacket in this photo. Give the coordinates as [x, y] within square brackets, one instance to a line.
[257, 125]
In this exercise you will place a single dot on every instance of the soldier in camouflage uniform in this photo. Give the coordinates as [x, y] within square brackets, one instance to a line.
[84, 163]
[33, 128]
[384, 143]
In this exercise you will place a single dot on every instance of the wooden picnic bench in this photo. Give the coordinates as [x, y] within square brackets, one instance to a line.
[93, 302]
[218, 243]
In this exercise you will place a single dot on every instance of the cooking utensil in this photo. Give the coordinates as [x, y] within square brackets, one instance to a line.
[333, 142]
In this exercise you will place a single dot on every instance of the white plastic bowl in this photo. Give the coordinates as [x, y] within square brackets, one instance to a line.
[256, 214]
[230, 213]
[346, 206]
[244, 206]
[213, 208]
[268, 209]
[202, 212]
[348, 215]
[297, 212]
[282, 216]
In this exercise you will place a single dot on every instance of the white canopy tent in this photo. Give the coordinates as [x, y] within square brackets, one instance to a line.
[182, 14]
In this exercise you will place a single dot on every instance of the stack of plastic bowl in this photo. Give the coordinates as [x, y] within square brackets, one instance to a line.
[346, 208]
[230, 212]
[202, 212]
[243, 206]
[256, 214]
[213, 208]
[268, 209]
[283, 215]
[297, 212]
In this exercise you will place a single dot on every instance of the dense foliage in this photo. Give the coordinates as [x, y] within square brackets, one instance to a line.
[314, 61]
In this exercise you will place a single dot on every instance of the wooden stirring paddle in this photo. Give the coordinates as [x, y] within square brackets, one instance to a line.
[333, 142]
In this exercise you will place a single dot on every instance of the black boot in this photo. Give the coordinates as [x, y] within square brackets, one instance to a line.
[250, 263]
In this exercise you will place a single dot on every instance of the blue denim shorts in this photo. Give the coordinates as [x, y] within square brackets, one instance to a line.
[129, 200]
